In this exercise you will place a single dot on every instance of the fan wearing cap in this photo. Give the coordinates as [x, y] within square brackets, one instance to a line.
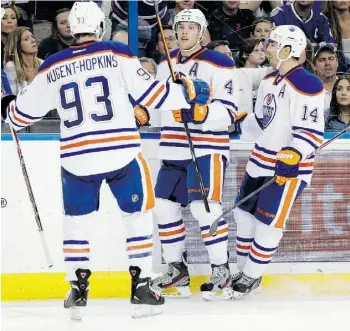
[288, 125]
[326, 67]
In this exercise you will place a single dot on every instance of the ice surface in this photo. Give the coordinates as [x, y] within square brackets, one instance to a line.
[262, 312]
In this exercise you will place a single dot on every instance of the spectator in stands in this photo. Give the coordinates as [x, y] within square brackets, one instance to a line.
[21, 61]
[307, 56]
[338, 116]
[122, 36]
[169, 38]
[261, 28]
[251, 54]
[231, 23]
[9, 19]
[150, 65]
[338, 13]
[326, 66]
[221, 46]
[61, 37]
[314, 24]
[260, 8]
[180, 5]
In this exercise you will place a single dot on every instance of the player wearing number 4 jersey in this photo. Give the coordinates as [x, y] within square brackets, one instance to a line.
[177, 183]
[92, 85]
[288, 126]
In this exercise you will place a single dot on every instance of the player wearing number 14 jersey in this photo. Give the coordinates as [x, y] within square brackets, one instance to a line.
[288, 126]
[92, 85]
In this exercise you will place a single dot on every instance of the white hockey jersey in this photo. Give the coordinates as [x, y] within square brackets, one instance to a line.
[91, 86]
[212, 136]
[291, 113]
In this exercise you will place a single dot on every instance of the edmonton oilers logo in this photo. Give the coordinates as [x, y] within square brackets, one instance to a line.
[269, 109]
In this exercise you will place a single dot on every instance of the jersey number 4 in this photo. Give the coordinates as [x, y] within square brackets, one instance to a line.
[307, 113]
[75, 102]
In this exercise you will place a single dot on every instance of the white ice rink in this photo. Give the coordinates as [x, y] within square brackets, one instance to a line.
[263, 312]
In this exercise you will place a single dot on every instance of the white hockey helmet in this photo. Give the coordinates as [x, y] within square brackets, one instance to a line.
[87, 17]
[288, 35]
[193, 16]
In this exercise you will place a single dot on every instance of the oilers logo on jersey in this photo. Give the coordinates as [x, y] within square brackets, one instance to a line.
[269, 109]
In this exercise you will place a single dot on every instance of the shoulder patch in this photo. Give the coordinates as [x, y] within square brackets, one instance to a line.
[275, 11]
[173, 54]
[216, 58]
[305, 82]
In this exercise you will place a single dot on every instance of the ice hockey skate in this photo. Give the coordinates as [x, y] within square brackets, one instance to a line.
[176, 280]
[244, 286]
[144, 300]
[219, 284]
[78, 294]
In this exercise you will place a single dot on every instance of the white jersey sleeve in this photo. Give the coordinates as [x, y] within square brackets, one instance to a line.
[307, 113]
[32, 103]
[252, 126]
[147, 91]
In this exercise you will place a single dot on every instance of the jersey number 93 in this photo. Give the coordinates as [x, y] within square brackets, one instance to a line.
[74, 102]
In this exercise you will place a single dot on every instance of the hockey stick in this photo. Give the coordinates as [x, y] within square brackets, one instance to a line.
[214, 226]
[31, 197]
[187, 130]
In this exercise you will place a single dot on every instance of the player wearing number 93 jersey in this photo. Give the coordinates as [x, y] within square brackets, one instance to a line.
[287, 126]
[92, 85]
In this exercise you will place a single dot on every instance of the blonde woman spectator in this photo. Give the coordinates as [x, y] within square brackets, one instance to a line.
[261, 28]
[61, 37]
[20, 61]
[9, 21]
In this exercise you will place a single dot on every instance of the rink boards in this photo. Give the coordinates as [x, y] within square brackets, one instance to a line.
[314, 257]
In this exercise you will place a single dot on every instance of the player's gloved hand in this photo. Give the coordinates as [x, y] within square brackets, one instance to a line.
[196, 114]
[287, 165]
[5, 103]
[238, 121]
[196, 91]
[141, 116]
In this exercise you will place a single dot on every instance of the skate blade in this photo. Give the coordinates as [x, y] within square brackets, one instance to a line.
[225, 294]
[177, 292]
[144, 311]
[251, 294]
[75, 314]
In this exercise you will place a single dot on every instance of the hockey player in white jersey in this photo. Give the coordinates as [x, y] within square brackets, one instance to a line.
[288, 125]
[177, 183]
[91, 85]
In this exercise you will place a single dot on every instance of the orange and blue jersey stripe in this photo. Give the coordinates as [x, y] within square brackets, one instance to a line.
[19, 119]
[172, 232]
[76, 250]
[221, 234]
[311, 136]
[100, 141]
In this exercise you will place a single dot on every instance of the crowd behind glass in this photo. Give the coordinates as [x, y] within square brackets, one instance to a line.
[33, 30]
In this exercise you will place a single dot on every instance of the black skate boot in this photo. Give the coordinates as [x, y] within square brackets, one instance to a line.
[244, 286]
[145, 301]
[218, 284]
[78, 294]
[176, 281]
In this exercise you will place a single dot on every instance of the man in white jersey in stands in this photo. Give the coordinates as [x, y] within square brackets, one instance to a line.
[91, 85]
[177, 183]
[287, 126]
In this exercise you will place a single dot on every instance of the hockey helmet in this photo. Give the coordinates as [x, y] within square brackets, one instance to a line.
[192, 16]
[86, 17]
[288, 35]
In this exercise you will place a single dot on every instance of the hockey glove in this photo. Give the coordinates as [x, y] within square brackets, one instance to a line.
[5, 103]
[141, 116]
[196, 114]
[287, 165]
[237, 123]
[196, 91]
